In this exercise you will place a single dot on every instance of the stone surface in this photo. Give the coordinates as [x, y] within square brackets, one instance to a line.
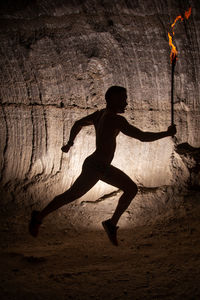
[57, 60]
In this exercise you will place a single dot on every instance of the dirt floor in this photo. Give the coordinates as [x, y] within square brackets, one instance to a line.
[160, 260]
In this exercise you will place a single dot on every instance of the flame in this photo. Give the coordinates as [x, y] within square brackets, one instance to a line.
[188, 13]
[174, 52]
[177, 18]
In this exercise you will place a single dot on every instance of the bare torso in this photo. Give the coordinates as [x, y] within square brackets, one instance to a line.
[108, 123]
[105, 123]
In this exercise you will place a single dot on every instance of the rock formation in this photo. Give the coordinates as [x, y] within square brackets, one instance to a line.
[57, 60]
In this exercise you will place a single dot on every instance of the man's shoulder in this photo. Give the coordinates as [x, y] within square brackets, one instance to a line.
[120, 122]
[95, 113]
[120, 118]
[95, 116]
[98, 112]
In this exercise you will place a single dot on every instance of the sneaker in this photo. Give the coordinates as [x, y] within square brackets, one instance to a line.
[34, 223]
[111, 231]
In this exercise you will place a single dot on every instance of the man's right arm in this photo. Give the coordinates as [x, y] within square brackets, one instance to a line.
[86, 121]
[143, 136]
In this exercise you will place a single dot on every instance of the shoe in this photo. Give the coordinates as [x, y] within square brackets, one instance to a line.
[111, 231]
[34, 223]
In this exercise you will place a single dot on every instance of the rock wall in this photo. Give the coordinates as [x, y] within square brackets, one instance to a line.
[57, 60]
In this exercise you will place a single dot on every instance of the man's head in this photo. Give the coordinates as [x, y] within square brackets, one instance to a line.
[116, 98]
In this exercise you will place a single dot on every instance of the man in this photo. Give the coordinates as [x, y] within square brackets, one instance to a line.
[108, 124]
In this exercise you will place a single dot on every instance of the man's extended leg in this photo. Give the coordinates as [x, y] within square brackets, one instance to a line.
[119, 179]
[87, 179]
[80, 187]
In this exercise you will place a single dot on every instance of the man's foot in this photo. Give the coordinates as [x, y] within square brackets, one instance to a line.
[34, 223]
[111, 231]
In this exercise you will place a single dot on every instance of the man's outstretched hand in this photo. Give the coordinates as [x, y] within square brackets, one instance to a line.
[171, 130]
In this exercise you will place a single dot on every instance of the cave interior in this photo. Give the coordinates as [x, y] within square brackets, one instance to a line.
[57, 60]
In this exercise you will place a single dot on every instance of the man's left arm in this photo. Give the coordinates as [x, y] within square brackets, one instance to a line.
[143, 136]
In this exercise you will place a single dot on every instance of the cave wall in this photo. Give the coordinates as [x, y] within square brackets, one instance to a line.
[57, 60]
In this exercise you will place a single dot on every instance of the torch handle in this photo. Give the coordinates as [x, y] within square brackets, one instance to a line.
[172, 94]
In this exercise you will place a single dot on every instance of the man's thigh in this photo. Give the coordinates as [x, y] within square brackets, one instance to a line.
[86, 180]
[116, 177]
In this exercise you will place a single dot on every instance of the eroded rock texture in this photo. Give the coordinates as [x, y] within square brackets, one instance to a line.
[57, 60]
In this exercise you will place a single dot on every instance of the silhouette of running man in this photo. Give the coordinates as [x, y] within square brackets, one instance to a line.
[108, 124]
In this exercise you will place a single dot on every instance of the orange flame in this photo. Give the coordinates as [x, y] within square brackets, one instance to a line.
[174, 52]
[177, 18]
[188, 13]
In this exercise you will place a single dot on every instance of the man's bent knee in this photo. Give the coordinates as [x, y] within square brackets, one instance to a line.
[132, 190]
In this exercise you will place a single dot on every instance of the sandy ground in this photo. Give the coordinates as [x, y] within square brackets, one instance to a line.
[158, 261]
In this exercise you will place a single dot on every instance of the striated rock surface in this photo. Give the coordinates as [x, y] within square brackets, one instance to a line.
[57, 60]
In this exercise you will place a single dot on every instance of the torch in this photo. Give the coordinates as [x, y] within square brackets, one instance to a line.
[172, 90]
[173, 59]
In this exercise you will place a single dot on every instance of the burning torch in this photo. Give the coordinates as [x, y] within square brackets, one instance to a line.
[174, 57]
